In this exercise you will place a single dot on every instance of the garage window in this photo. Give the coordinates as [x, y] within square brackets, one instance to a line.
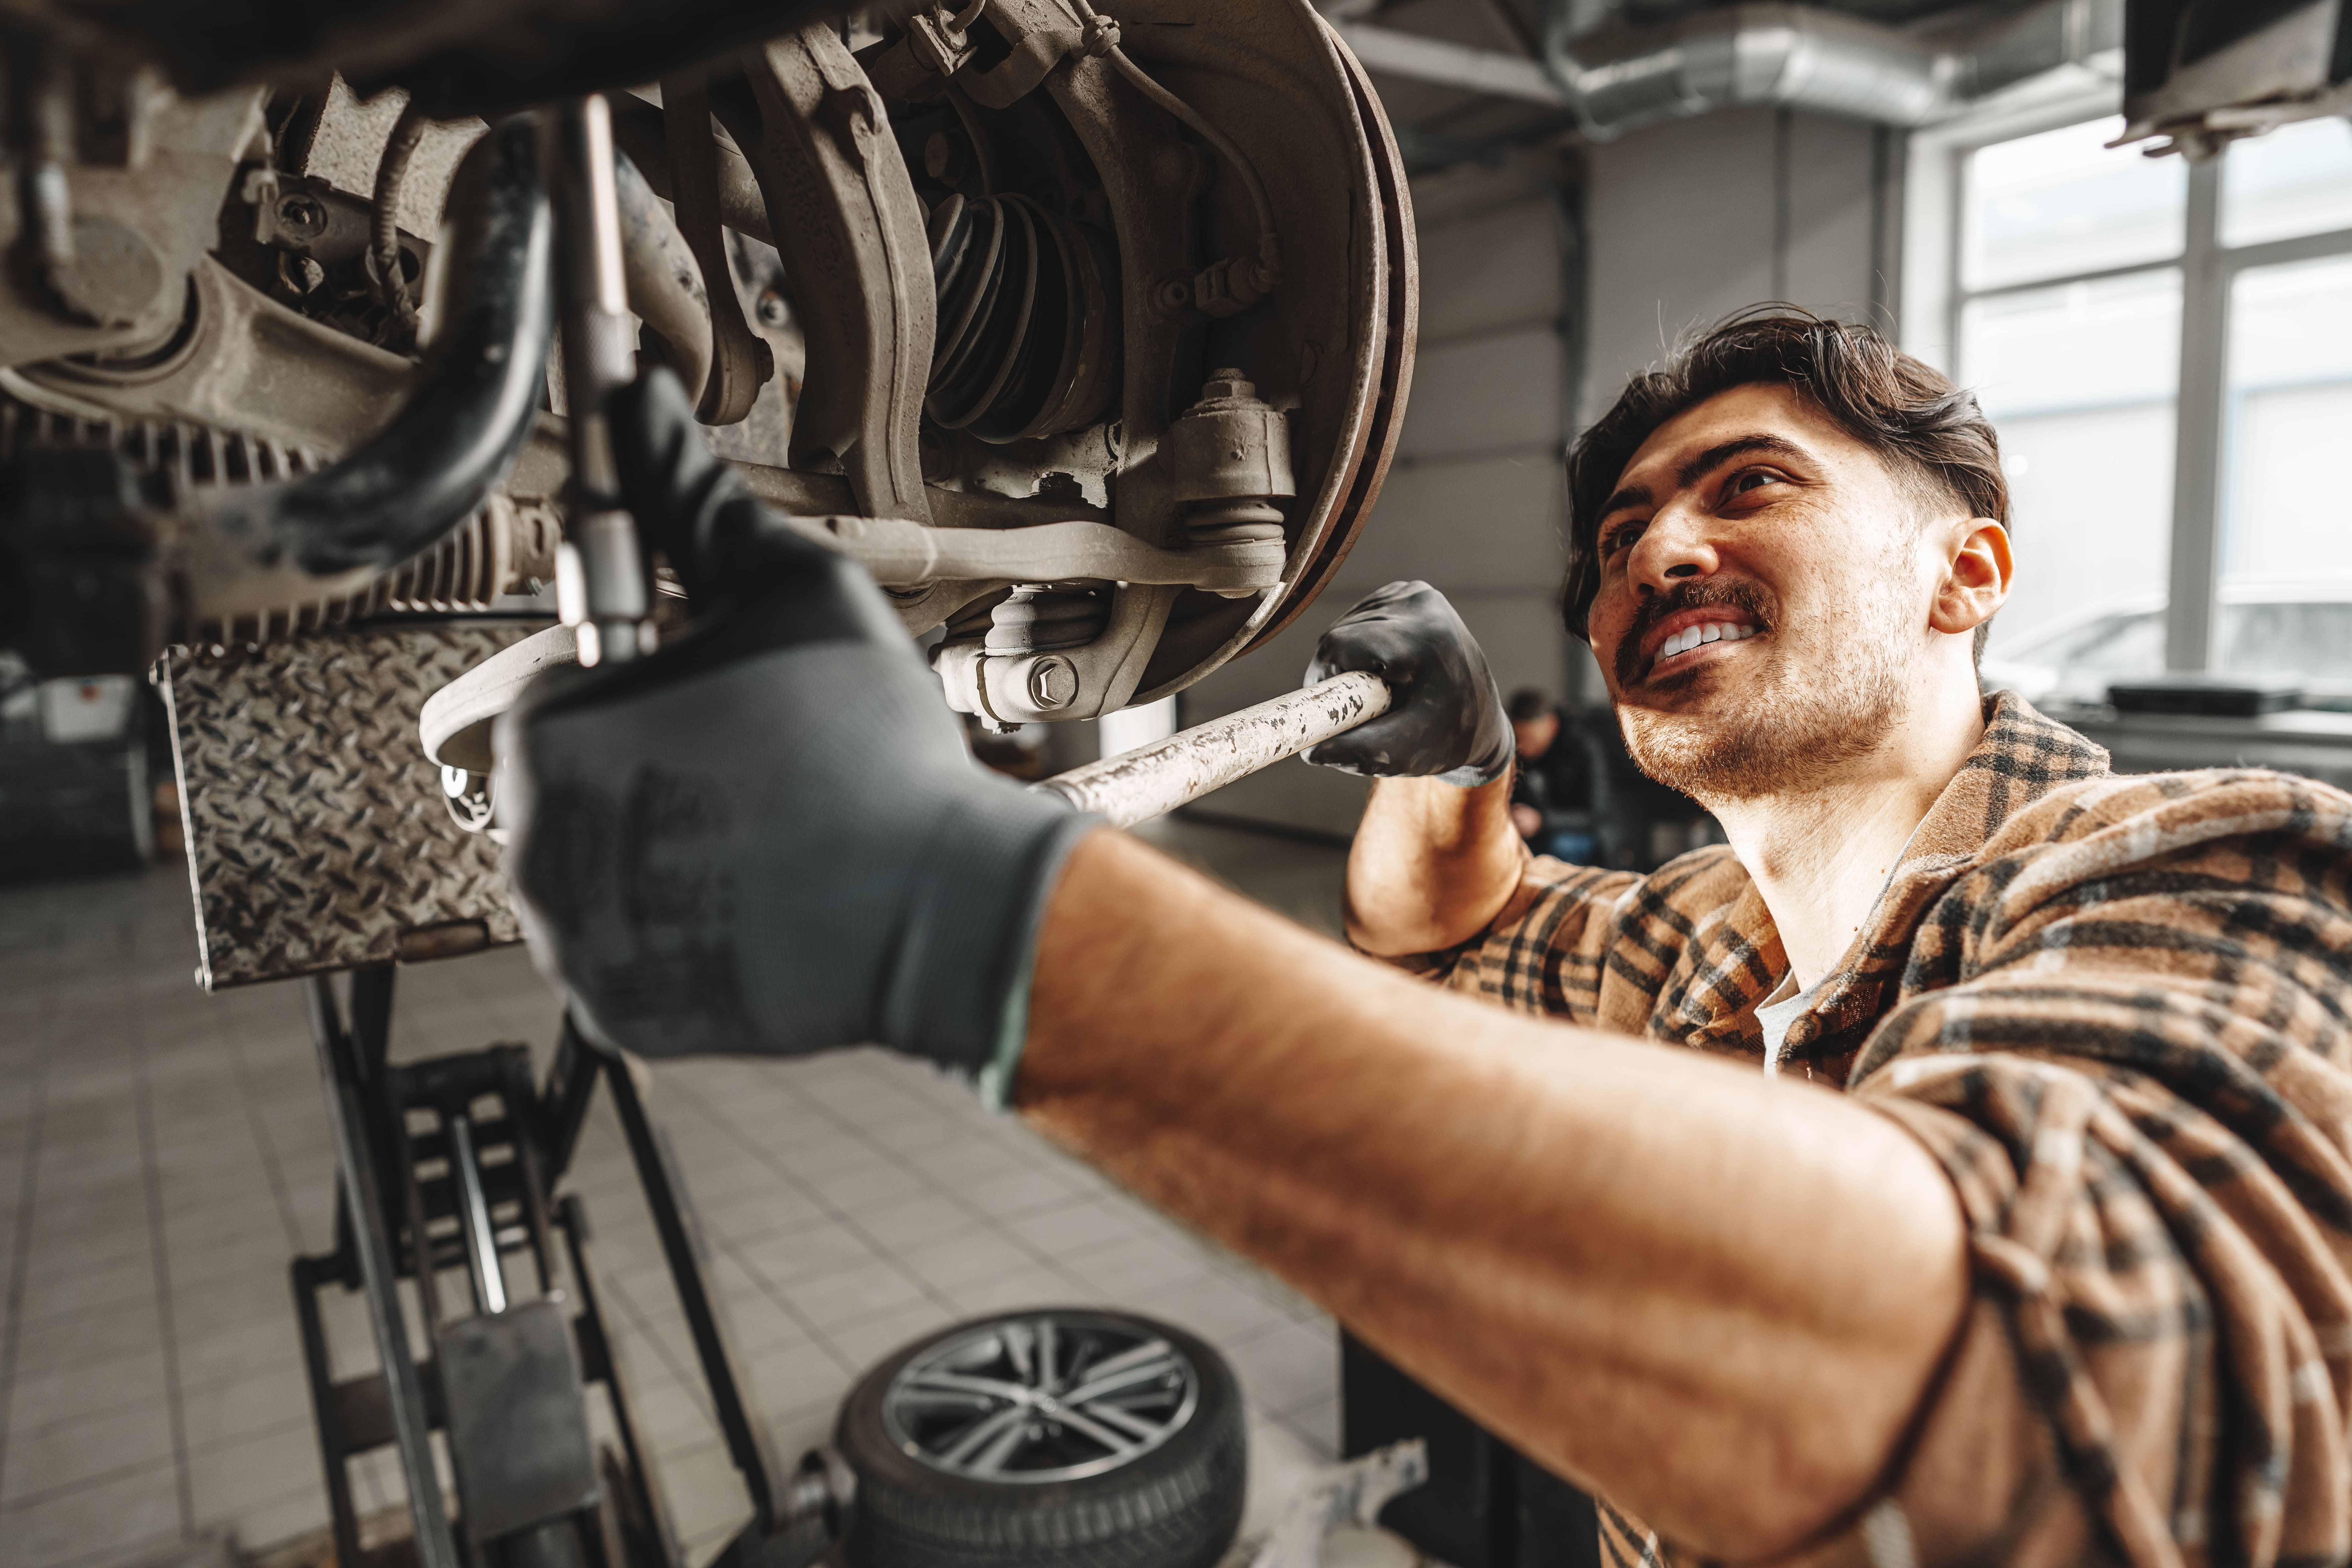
[2166, 350]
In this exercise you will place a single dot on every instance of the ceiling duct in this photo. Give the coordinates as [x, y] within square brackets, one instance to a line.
[1617, 76]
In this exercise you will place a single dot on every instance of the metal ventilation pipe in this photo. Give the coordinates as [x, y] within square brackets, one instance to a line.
[1619, 78]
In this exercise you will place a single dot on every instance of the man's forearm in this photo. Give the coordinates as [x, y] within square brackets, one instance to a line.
[1431, 866]
[1718, 1299]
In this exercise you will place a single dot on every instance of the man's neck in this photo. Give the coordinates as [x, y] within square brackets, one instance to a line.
[1820, 857]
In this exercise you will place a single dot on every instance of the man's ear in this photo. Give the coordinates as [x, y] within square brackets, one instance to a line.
[1976, 578]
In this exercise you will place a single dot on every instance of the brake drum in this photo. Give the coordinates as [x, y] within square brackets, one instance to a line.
[1074, 264]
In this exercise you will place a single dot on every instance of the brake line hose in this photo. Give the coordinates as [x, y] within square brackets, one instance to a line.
[384, 219]
[1102, 39]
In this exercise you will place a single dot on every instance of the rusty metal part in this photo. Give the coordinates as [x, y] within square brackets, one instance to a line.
[740, 361]
[1386, 279]
[796, 492]
[452, 442]
[843, 213]
[664, 281]
[316, 837]
[238, 359]
[133, 232]
[1232, 456]
[1154, 780]
[642, 131]
[505, 548]
[1335, 357]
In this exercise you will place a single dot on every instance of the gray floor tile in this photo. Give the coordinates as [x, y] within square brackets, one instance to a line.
[108, 1517]
[968, 1258]
[66, 1454]
[263, 1525]
[246, 1406]
[40, 1396]
[1287, 1366]
[865, 1342]
[1068, 1229]
[842, 1297]
[228, 1478]
[105, 1286]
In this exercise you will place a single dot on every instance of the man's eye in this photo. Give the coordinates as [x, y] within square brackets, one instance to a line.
[1620, 538]
[1753, 479]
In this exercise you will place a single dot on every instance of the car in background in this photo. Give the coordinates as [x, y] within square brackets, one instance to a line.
[2297, 632]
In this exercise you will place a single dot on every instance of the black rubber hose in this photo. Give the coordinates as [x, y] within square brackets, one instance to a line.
[384, 218]
[474, 397]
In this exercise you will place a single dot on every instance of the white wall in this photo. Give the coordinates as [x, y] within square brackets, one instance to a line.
[1684, 222]
[1693, 220]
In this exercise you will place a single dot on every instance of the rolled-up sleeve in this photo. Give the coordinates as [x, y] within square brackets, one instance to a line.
[2126, 1035]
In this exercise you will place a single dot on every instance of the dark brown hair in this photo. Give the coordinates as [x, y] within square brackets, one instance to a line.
[1924, 428]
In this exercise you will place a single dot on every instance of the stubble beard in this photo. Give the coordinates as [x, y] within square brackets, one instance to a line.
[1783, 729]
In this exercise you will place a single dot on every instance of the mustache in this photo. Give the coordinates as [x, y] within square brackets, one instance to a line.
[1695, 594]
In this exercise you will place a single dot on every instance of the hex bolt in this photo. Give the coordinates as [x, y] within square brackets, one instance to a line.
[302, 217]
[1053, 683]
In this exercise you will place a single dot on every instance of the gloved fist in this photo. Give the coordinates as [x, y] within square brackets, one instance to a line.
[769, 837]
[1444, 718]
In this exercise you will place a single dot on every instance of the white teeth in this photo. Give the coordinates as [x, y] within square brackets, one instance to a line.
[1705, 632]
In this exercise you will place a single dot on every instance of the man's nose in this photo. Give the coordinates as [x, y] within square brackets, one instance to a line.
[1675, 547]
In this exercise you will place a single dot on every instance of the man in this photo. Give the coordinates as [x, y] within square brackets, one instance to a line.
[1956, 1168]
[1559, 784]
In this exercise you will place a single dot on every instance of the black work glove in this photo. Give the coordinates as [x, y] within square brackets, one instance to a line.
[769, 838]
[1444, 718]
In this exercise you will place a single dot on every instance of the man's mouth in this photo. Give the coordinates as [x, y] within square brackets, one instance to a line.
[1678, 641]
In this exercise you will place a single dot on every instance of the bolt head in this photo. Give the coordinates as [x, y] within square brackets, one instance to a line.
[1053, 683]
[773, 309]
[302, 216]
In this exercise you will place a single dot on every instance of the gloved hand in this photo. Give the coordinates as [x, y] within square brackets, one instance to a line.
[1444, 718]
[769, 837]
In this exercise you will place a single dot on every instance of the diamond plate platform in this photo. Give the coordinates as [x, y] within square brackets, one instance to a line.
[317, 835]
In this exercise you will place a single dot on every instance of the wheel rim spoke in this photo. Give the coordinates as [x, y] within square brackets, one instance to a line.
[991, 1401]
[1125, 1420]
[1009, 1421]
[964, 1382]
[1126, 1377]
[1118, 1443]
[991, 1460]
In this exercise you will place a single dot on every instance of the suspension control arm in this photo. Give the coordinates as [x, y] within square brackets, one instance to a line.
[1151, 781]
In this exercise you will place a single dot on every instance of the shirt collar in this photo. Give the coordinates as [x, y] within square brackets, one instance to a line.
[2023, 757]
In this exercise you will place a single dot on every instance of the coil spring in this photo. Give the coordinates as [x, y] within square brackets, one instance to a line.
[1027, 338]
[504, 546]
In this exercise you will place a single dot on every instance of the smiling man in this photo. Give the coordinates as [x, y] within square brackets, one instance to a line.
[1956, 1168]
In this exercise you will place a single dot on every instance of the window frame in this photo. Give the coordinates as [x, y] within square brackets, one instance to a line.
[1932, 299]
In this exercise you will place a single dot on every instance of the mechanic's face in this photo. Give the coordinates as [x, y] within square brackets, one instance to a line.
[1767, 590]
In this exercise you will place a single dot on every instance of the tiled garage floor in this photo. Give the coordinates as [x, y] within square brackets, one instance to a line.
[164, 1152]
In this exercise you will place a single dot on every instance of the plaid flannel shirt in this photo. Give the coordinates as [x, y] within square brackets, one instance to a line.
[2118, 1011]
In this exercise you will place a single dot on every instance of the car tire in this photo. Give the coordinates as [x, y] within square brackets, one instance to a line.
[1056, 1497]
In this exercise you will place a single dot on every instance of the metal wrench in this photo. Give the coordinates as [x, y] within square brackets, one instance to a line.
[1152, 780]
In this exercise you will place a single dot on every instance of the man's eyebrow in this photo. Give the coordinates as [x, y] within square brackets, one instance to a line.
[1706, 462]
[1629, 495]
[1715, 456]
